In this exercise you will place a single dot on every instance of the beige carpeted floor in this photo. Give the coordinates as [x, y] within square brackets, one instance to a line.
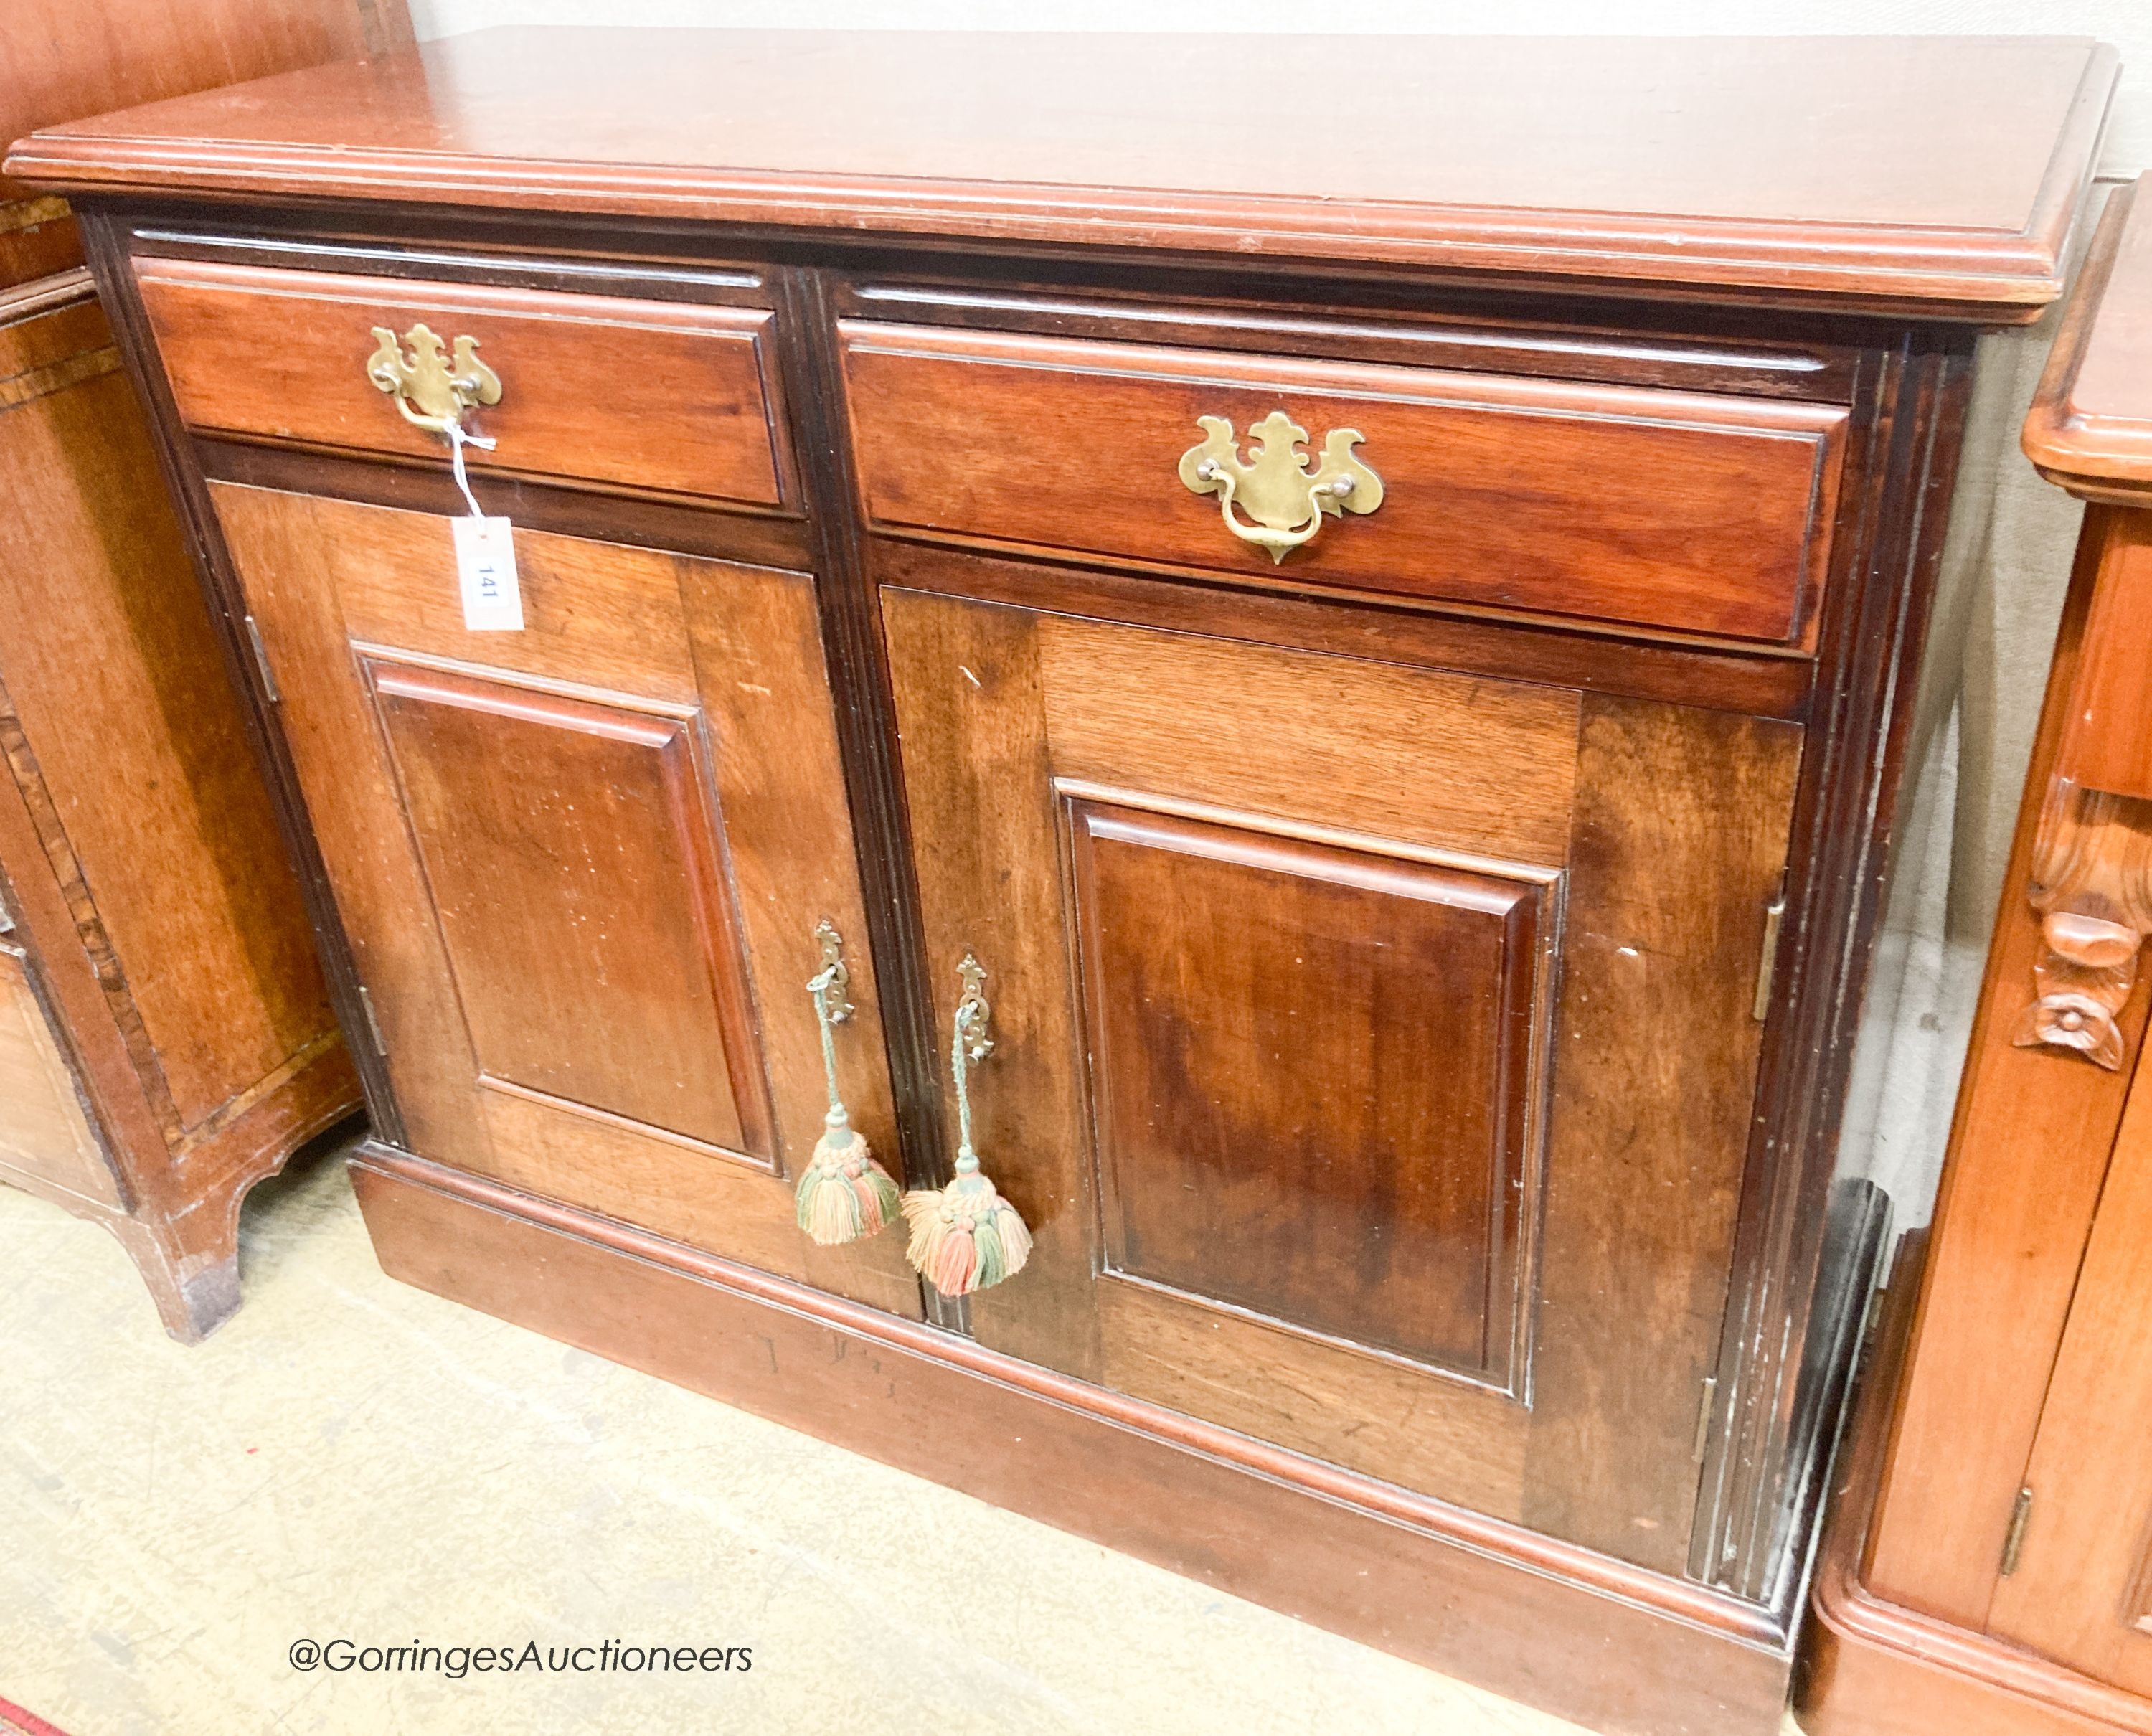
[350, 1458]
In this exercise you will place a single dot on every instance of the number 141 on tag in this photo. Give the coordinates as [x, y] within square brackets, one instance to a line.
[485, 573]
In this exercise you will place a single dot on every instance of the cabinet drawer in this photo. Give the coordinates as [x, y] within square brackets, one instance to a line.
[1685, 510]
[668, 397]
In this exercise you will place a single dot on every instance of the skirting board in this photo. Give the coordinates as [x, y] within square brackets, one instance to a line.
[1575, 1633]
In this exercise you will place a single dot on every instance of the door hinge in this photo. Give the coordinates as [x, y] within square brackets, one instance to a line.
[1767, 965]
[373, 1024]
[262, 661]
[1703, 1418]
[2013, 1539]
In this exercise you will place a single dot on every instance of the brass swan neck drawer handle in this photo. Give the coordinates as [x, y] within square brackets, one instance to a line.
[1283, 500]
[431, 389]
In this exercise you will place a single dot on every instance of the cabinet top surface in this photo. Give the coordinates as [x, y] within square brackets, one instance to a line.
[1916, 171]
[2090, 425]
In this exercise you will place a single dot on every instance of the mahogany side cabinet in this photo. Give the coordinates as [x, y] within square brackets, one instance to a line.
[1319, 629]
[166, 1038]
[1988, 1571]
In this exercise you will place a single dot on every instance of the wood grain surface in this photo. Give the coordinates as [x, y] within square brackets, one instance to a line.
[43, 1133]
[2107, 737]
[1373, 1200]
[2089, 429]
[669, 397]
[1662, 830]
[2082, 1592]
[1682, 510]
[2027, 1157]
[573, 1044]
[1948, 171]
[1869, 1666]
[156, 911]
[580, 887]
[60, 60]
[112, 665]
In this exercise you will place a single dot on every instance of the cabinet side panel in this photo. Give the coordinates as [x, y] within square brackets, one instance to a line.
[114, 670]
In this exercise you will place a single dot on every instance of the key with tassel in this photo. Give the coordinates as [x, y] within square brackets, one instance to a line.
[966, 1235]
[842, 1194]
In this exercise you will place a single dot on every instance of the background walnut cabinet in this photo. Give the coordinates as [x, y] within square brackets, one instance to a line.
[1422, 966]
[165, 1035]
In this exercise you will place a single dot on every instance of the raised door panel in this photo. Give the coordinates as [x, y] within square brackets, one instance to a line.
[1375, 1053]
[1374, 1200]
[581, 865]
[575, 876]
[2082, 1589]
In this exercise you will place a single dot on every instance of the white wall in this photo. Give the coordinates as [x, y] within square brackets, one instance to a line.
[2126, 24]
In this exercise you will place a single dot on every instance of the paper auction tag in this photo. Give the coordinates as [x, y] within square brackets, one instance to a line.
[486, 572]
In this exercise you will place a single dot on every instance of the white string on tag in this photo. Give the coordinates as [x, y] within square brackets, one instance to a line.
[486, 550]
[458, 439]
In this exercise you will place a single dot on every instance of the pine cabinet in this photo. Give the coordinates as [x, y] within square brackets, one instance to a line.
[1986, 1568]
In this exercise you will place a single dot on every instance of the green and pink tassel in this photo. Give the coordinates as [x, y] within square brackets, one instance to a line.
[966, 1237]
[843, 1193]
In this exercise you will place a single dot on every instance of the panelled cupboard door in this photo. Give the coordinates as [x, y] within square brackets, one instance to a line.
[1375, 1046]
[581, 865]
[2082, 1589]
